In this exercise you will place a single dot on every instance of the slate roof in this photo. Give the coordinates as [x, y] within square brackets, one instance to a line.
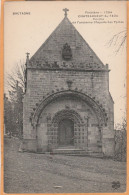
[49, 55]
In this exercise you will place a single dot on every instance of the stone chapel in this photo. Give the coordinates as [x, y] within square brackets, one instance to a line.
[67, 107]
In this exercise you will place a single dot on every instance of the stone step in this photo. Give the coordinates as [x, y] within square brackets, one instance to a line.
[95, 155]
[77, 152]
[67, 151]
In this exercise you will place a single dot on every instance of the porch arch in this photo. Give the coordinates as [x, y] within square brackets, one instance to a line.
[70, 93]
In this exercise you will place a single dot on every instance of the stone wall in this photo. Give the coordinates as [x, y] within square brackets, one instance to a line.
[41, 83]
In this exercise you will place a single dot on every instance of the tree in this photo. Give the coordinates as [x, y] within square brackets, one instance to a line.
[8, 123]
[121, 140]
[17, 78]
[118, 40]
[122, 126]
[16, 82]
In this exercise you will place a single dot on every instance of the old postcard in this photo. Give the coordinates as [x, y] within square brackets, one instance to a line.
[65, 97]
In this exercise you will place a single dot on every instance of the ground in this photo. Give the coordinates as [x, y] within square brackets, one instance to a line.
[45, 173]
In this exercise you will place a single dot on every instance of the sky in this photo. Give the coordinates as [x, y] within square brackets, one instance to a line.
[27, 32]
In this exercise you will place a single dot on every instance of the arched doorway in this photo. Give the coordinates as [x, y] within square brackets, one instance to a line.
[66, 132]
[87, 123]
[66, 129]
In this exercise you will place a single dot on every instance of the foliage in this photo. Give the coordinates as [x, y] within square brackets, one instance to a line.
[13, 106]
[16, 78]
[120, 145]
[8, 111]
[121, 141]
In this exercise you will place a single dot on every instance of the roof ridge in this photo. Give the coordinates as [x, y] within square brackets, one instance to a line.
[86, 42]
[65, 18]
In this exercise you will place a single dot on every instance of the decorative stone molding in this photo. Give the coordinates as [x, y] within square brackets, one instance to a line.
[100, 112]
[67, 64]
[69, 83]
[71, 114]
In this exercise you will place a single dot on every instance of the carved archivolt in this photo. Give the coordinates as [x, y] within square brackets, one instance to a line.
[100, 112]
[70, 114]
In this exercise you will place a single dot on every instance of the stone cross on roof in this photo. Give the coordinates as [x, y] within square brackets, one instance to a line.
[27, 55]
[65, 10]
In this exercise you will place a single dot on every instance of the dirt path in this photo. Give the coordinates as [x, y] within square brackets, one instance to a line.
[42, 173]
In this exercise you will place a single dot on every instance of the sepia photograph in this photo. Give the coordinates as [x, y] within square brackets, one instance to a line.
[65, 97]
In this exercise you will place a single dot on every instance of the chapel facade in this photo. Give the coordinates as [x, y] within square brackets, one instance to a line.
[67, 107]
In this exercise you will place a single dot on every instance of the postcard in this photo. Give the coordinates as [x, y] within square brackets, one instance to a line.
[65, 122]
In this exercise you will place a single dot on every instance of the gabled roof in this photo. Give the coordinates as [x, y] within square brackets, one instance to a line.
[49, 55]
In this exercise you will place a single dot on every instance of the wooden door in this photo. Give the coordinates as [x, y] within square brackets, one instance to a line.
[66, 132]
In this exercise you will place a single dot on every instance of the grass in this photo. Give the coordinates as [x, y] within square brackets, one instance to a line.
[45, 173]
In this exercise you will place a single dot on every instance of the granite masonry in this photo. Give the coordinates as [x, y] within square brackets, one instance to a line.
[67, 105]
